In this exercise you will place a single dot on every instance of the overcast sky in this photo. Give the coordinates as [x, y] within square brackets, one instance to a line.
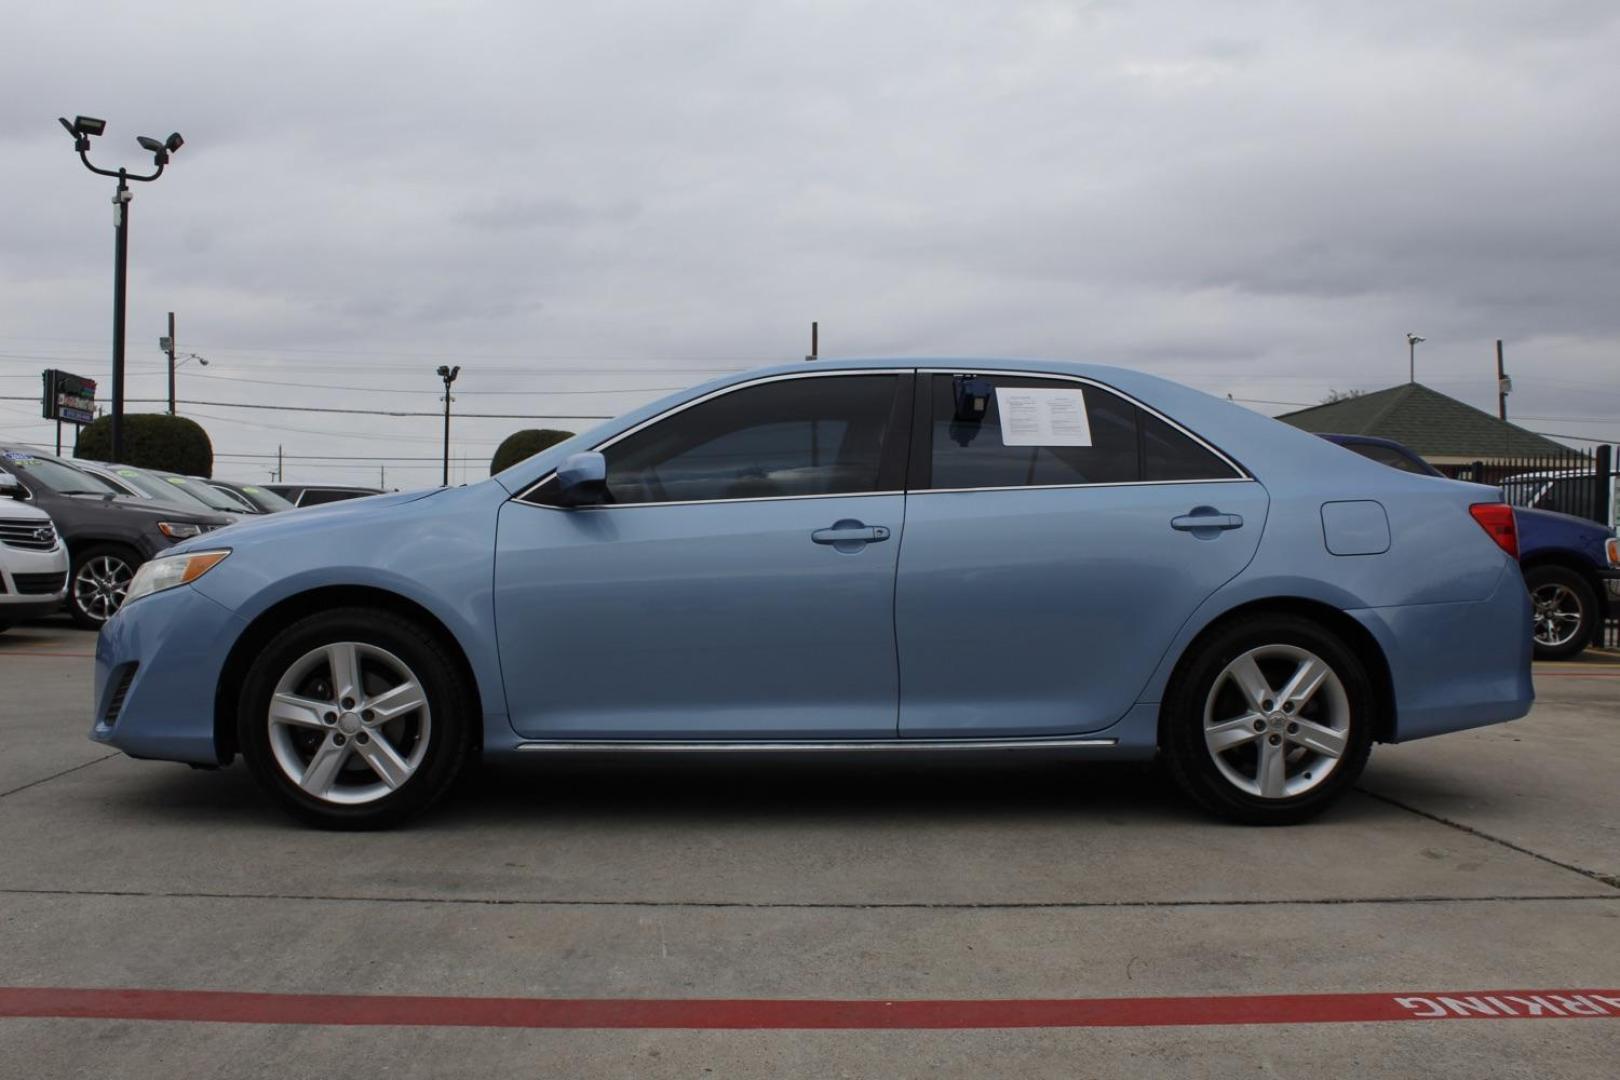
[1257, 199]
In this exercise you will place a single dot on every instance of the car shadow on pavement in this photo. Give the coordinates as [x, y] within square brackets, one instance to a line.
[711, 792]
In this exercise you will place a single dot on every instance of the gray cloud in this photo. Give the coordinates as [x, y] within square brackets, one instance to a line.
[1257, 198]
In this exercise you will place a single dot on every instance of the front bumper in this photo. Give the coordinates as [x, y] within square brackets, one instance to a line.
[158, 664]
[18, 600]
[1611, 586]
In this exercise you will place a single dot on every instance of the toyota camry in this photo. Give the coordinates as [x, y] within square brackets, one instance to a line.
[1013, 557]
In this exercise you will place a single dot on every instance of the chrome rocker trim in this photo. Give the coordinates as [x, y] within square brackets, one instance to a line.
[699, 746]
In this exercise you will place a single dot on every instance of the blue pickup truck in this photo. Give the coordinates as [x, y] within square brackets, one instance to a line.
[1571, 565]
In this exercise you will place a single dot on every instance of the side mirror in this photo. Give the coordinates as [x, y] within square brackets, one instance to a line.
[10, 487]
[582, 479]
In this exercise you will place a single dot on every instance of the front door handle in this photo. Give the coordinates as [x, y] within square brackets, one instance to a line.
[850, 535]
[1205, 522]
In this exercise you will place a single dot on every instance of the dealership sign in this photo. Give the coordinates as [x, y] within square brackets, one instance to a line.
[69, 397]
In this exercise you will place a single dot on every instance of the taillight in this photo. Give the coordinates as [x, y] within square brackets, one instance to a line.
[1498, 522]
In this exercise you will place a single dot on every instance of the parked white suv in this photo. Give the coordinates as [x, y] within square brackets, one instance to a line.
[33, 559]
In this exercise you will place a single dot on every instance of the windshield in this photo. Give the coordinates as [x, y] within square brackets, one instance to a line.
[153, 487]
[203, 493]
[267, 500]
[56, 476]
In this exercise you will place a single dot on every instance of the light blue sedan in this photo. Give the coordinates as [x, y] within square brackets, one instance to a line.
[875, 556]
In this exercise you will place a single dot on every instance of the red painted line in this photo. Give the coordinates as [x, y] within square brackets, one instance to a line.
[232, 1007]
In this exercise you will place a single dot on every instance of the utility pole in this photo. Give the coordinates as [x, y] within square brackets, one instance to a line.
[448, 374]
[1411, 356]
[169, 348]
[279, 474]
[1504, 385]
[815, 341]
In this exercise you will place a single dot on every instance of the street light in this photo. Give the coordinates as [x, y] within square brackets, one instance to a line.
[448, 374]
[1411, 356]
[166, 344]
[83, 128]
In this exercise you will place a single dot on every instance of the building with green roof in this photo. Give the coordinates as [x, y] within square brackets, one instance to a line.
[1442, 429]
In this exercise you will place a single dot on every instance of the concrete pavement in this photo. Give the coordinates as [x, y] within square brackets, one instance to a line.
[1478, 861]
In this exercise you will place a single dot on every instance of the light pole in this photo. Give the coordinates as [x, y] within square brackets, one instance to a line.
[448, 374]
[82, 128]
[1411, 356]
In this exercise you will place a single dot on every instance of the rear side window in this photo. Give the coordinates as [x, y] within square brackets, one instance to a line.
[318, 496]
[1126, 444]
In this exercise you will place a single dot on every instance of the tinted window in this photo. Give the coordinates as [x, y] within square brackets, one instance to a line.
[972, 454]
[1168, 454]
[823, 435]
[317, 496]
[53, 475]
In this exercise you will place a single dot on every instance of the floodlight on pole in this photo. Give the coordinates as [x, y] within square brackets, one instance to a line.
[448, 374]
[1411, 356]
[83, 128]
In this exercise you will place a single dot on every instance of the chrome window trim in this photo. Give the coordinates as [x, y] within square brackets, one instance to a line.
[1243, 475]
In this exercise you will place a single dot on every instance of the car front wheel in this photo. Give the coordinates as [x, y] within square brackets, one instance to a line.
[1270, 720]
[1564, 609]
[355, 719]
[101, 577]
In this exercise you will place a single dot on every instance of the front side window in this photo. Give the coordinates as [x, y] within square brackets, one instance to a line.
[821, 435]
[1114, 441]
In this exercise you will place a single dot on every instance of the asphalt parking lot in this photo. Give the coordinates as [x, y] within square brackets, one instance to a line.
[1483, 863]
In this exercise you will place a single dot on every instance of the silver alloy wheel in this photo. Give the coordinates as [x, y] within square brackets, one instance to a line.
[1557, 613]
[1277, 721]
[349, 723]
[100, 586]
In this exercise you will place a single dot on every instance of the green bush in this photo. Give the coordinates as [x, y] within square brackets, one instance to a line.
[151, 441]
[524, 444]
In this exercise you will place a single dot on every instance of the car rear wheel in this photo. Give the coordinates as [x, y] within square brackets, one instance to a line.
[101, 577]
[1269, 721]
[1564, 610]
[355, 719]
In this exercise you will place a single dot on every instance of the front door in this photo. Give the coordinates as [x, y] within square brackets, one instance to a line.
[739, 585]
[1053, 549]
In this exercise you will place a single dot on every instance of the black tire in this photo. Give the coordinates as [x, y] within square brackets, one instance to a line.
[1182, 721]
[86, 603]
[450, 713]
[1571, 588]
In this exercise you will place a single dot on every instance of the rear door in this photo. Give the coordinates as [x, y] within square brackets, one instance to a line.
[1049, 561]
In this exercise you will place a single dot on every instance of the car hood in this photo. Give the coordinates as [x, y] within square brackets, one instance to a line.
[151, 508]
[15, 510]
[1567, 522]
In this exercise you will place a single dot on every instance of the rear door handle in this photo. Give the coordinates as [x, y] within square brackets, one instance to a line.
[850, 532]
[1196, 523]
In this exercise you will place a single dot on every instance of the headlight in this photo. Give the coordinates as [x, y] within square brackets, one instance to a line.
[1613, 547]
[166, 572]
[179, 530]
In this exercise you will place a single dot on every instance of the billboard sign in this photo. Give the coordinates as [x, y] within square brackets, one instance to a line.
[69, 397]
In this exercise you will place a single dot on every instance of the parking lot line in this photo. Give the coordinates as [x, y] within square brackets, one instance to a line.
[231, 1007]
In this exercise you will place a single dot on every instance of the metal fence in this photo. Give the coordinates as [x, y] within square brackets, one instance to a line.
[1578, 482]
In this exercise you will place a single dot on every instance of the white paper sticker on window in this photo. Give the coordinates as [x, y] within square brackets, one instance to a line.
[1043, 417]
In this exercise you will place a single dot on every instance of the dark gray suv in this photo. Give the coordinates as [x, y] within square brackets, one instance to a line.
[107, 533]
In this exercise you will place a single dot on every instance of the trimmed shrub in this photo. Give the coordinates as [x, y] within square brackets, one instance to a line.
[524, 444]
[151, 441]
